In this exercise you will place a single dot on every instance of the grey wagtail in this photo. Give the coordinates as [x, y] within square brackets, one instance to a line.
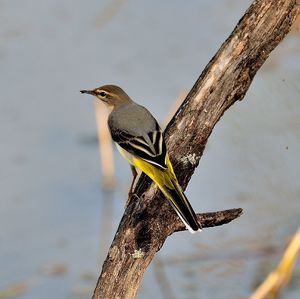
[140, 141]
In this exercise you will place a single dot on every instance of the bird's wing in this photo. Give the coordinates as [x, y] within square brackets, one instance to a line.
[150, 146]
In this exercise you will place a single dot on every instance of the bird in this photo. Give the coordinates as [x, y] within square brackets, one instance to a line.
[140, 141]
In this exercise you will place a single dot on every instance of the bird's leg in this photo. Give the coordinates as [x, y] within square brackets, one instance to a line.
[130, 192]
[134, 174]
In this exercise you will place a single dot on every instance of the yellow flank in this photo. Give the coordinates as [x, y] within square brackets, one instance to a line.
[163, 178]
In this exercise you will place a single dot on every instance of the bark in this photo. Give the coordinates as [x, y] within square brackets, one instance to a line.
[148, 218]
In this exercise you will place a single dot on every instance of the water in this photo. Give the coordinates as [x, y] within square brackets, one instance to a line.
[52, 210]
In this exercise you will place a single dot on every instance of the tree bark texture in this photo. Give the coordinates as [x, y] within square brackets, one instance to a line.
[148, 218]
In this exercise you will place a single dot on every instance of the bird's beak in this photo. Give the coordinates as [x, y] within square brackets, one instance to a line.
[92, 92]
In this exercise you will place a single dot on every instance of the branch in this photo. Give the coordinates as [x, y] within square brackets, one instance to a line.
[211, 219]
[148, 219]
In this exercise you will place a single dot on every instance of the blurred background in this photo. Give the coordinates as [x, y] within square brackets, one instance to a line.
[56, 220]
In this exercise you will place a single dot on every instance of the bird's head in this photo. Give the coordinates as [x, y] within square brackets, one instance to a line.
[111, 95]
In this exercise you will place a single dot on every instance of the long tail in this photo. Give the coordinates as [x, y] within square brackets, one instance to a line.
[183, 208]
[168, 184]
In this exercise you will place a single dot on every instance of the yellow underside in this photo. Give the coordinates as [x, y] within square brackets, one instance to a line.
[165, 179]
[161, 177]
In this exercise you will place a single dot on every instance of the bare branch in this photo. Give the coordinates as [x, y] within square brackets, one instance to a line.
[212, 219]
[148, 219]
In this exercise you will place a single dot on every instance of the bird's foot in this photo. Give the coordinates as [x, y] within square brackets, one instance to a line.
[131, 195]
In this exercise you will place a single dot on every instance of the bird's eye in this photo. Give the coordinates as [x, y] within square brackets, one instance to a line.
[102, 94]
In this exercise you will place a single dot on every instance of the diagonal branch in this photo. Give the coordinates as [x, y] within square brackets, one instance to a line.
[148, 219]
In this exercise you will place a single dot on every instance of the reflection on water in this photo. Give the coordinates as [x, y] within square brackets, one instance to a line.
[56, 224]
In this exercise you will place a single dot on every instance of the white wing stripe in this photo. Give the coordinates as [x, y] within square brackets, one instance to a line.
[157, 140]
[146, 150]
[140, 140]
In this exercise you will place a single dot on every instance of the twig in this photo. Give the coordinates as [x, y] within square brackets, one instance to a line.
[277, 279]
